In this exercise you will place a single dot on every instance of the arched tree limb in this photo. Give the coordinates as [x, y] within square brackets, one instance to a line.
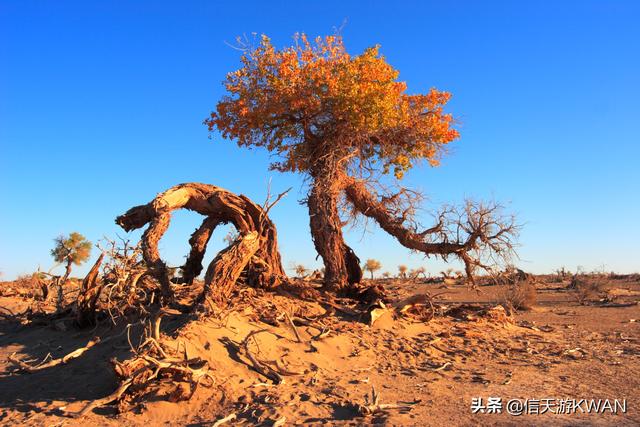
[255, 253]
[479, 235]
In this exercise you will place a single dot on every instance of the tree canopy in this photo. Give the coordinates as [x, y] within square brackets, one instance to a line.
[74, 248]
[344, 121]
[314, 98]
[372, 265]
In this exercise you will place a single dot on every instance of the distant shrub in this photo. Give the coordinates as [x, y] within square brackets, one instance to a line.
[301, 270]
[518, 296]
[587, 289]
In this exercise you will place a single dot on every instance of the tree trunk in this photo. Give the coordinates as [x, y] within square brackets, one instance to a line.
[262, 268]
[225, 269]
[67, 272]
[198, 241]
[342, 266]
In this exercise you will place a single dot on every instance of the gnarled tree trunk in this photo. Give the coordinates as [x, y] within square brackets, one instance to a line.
[255, 254]
[342, 266]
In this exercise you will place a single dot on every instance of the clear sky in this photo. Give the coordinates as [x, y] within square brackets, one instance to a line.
[102, 102]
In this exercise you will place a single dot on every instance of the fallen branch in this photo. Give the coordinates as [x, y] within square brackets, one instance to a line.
[261, 368]
[116, 395]
[55, 362]
[224, 420]
[293, 326]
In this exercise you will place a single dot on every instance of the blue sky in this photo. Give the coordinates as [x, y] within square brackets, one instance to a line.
[101, 107]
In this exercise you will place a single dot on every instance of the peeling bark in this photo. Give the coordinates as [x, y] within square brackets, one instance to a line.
[227, 266]
[262, 267]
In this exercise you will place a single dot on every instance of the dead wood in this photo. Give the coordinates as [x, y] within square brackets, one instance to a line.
[260, 367]
[116, 395]
[227, 266]
[254, 255]
[372, 404]
[293, 326]
[153, 366]
[88, 296]
[224, 420]
[59, 361]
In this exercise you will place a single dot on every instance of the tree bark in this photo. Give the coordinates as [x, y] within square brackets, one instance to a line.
[67, 272]
[368, 205]
[227, 266]
[342, 266]
[263, 268]
[198, 241]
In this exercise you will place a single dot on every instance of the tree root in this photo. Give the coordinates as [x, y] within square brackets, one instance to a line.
[154, 366]
[269, 369]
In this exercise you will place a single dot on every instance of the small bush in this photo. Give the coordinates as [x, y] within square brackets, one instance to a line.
[587, 289]
[519, 296]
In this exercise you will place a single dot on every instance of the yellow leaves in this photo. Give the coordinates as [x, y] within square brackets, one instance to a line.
[286, 99]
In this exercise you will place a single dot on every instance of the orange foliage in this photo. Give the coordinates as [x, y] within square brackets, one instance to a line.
[314, 99]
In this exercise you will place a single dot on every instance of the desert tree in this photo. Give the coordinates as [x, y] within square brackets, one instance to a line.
[69, 250]
[386, 275]
[402, 271]
[300, 270]
[231, 237]
[253, 254]
[348, 125]
[372, 265]
[420, 271]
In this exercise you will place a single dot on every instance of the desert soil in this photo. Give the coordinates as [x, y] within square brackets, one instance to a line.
[431, 369]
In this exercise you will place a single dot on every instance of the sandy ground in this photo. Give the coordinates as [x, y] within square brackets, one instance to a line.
[554, 355]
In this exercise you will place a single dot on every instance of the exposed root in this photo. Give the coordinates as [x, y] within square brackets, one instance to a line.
[224, 420]
[116, 395]
[154, 367]
[293, 326]
[269, 369]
